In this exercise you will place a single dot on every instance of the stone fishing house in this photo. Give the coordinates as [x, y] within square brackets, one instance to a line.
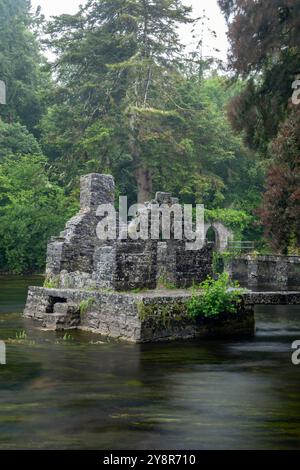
[134, 290]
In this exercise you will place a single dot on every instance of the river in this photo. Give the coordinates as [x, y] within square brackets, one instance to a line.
[76, 392]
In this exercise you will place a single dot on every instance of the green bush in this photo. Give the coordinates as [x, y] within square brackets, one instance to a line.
[238, 221]
[217, 297]
[32, 209]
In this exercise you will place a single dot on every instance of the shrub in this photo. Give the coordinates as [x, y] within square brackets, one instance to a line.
[32, 209]
[217, 297]
[238, 221]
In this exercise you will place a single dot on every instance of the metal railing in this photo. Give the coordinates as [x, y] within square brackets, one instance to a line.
[241, 246]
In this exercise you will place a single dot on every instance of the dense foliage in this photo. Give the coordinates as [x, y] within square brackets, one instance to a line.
[216, 297]
[281, 210]
[15, 139]
[32, 206]
[265, 51]
[21, 64]
[124, 97]
[31, 210]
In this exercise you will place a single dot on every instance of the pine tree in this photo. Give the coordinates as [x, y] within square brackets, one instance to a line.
[21, 65]
[117, 60]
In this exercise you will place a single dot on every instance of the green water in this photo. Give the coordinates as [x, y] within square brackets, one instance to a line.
[76, 394]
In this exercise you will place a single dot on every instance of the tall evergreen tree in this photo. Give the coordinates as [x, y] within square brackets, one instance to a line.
[20, 64]
[117, 63]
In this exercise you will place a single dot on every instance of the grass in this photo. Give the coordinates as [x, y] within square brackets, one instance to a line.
[21, 335]
[165, 284]
[85, 305]
[21, 338]
[51, 283]
[67, 337]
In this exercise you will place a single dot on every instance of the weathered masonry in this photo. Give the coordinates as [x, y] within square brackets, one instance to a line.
[78, 259]
[92, 284]
[281, 271]
[150, 316]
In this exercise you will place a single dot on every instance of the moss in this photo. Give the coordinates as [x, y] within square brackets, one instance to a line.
[162, 315]
[165, 284]
[138, 290]
[144, 311]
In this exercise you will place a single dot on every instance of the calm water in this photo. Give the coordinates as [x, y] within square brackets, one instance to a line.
[76, 394]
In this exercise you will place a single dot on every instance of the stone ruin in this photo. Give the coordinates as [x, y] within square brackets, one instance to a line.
[223, 235]
[132, 290]
[78, 259]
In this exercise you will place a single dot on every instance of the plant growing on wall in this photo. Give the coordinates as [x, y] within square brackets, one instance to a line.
[85, 305]
[52, 282]
[217, 297]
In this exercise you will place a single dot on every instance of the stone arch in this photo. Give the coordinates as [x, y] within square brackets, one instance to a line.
[222, 235]
[212, 236]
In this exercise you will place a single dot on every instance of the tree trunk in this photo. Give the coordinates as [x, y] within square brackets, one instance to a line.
[144, 184]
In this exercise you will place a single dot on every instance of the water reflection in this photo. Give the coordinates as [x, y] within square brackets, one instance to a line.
[58, 394]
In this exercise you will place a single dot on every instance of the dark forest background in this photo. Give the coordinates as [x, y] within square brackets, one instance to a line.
[124, 97]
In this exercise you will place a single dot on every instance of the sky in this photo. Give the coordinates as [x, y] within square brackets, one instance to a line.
[216, 21]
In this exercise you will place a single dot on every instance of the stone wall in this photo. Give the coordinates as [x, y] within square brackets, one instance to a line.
[193, 266]
[279, 271]
[183, 268]
[136, 265]
[73, 251]
[125, 265]
[78, 259]
[142, 317]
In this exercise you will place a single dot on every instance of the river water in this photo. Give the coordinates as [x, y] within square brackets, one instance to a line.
[76, 392]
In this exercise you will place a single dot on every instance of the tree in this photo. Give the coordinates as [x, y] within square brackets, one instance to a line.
[117, 64]
[21, 65]
[265, 50]
[31, 210]
[281, 209]
[17, 140]
[219, 171]
[128, 102]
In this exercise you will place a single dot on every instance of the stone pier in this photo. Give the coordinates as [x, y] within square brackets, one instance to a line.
[151, 316]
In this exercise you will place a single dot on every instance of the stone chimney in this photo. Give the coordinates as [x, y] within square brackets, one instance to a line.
[96, 189]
